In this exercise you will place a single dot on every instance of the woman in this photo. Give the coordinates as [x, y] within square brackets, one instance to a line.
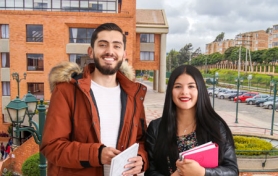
[188, 120]
[7, 150]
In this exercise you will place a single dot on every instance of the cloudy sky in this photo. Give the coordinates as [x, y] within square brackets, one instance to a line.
[200, 21]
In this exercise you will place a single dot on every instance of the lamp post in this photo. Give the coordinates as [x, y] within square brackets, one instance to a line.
[215, 77]
[273, 84]
[238, 81]
[249, 81]
[271, 77]
[17, 109]
[15, 76]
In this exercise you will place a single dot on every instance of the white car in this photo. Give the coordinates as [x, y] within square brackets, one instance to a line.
[269, 104]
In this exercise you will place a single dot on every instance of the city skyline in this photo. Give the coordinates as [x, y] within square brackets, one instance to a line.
[199, 22]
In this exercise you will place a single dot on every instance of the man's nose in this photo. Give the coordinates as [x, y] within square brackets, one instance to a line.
[109, 50]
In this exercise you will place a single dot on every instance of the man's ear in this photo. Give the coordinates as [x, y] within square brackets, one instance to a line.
[90, 52]
[124, 56]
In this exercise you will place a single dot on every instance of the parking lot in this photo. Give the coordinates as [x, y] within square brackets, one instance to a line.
[258, 113]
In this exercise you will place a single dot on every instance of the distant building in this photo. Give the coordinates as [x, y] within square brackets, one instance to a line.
[273, 36]
[255, 40]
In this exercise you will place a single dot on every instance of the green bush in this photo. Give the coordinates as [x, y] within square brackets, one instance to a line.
[251, 146]
[31, 166]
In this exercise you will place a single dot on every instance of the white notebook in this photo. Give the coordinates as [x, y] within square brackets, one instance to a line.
[119, 161]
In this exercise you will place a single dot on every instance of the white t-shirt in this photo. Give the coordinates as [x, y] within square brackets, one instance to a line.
[108, 102]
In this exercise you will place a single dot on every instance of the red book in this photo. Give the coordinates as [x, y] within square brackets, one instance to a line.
[206, 155]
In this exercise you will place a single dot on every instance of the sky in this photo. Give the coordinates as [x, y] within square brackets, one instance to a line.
[200, 21]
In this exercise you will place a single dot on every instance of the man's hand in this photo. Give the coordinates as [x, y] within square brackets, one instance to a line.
[107, 154]
[135, 165]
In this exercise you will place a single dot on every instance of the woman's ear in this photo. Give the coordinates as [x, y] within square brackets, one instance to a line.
[90, 52]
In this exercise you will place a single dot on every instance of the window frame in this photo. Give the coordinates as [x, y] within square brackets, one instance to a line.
[31, 35]
[7, 65]
[147, 38]
[8, 90]
[35, 63]
[149, 56]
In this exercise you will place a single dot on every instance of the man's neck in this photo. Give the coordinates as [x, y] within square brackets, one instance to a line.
[104, 80]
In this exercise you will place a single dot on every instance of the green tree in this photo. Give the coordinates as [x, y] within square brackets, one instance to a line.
[185, 53]
[172, 60]
[31, 166]
[271, 55]
[220, 37]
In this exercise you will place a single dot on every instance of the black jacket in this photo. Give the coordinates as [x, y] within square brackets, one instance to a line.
[227, 168]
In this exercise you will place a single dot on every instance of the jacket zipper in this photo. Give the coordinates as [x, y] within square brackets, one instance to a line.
[90, 106]
[134, 110]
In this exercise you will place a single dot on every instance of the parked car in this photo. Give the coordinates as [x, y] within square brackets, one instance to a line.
[243, 97]
[269, 104]
[226, 94]
[220, 90]
[261, 101]
[210, 91]
[232, 97]
[252, 100]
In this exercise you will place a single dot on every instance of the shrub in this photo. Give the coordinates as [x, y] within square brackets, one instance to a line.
[31, 166]
[251, 146]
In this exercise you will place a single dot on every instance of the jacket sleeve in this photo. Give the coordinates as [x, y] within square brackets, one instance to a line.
[229, 165]
[141, 134]
[56, 145]
[150, 143]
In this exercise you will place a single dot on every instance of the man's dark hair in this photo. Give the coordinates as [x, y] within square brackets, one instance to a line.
[107, 27]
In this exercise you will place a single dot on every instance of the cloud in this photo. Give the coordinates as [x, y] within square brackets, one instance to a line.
[199, 22]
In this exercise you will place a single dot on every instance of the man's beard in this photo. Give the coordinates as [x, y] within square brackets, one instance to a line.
[107, 70]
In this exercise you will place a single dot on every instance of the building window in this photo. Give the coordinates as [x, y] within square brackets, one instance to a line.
[37, 89]
[147, 38]
[275, 27]
[35, 62]
[274, 44]
[5, 34]
[146, 55]
[80, 35]
[34, 33]
[5, 60]
[6, 90]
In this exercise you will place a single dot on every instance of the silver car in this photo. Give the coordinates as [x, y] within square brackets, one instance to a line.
[226, 94]
[252, 100]
[269, 104]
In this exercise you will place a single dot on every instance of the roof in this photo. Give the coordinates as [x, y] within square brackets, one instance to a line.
[151, 18]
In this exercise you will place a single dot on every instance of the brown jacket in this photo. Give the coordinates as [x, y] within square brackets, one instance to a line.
[71, 147]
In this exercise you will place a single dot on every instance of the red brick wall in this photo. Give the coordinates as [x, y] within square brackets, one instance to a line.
[147, 65]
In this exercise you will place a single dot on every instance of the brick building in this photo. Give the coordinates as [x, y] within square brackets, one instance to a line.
[273, 36]
[36, 35]
[254, 40]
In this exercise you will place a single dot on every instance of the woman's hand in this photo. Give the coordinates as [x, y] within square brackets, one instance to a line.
[189, 167]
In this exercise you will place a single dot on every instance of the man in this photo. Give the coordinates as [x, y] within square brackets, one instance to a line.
[95, 115]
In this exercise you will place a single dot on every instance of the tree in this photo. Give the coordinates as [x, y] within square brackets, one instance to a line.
[220, 37]
[172, 60]
[271, 55]
[185, 54]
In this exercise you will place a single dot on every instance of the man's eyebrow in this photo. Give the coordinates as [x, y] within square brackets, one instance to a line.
[117, 42]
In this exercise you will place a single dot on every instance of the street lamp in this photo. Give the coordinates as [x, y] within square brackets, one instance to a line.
[215, 77]
[249, 77]
[273, 84]
[15, 76]
[31, 102]
[238, 81]
[271, 77]
[17, 109]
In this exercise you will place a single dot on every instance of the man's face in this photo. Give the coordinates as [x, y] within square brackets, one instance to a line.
[108, 52]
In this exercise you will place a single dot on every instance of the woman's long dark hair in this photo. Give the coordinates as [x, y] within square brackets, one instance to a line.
[208, 122]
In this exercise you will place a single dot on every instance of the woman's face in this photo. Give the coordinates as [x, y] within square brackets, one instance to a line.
[185, 92]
